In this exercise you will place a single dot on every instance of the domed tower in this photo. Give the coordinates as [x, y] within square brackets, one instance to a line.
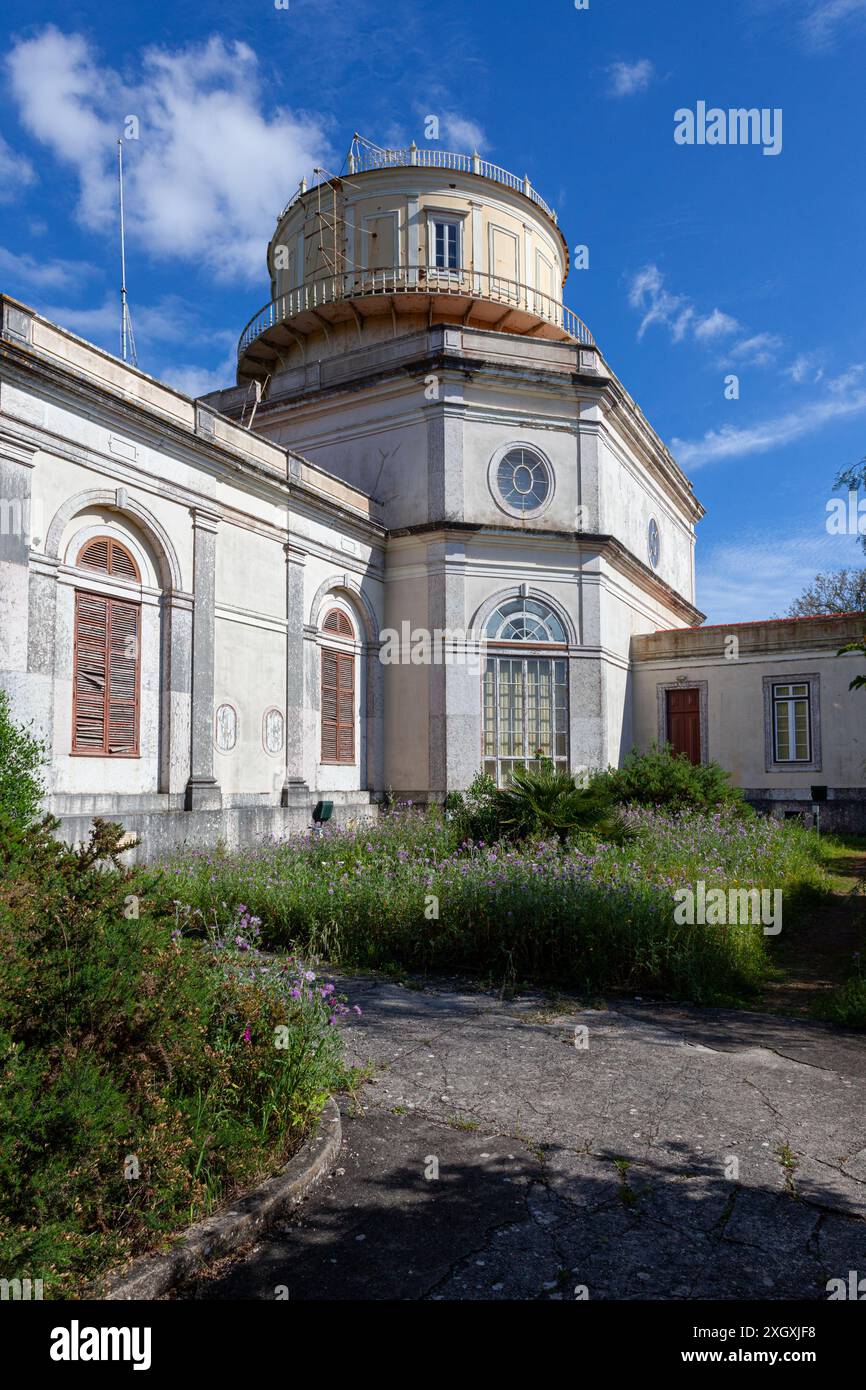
[417, 346]
[404, 240]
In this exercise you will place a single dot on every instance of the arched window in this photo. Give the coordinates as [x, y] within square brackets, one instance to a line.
[337, 622]
[338, 692]
[524, 620]
[110, 557]
[525, 692]
[106, 659]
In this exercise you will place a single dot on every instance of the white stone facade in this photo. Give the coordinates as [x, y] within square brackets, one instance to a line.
[444, 544]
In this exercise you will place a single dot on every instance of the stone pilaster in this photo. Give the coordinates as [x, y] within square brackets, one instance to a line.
[16, 473]
[202, 789]
[176, 693]
[295, 789]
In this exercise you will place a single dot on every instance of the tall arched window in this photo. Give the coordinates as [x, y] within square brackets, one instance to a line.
[525, 688]
[106, 660]
[338, 690]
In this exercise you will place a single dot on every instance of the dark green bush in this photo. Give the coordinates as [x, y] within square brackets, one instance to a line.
[473, 813]
[118, 1037]
[539, 800]
[667, 779]
[21, 757]
[546, 800]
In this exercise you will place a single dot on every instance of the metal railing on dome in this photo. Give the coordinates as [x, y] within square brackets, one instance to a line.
[414, 280]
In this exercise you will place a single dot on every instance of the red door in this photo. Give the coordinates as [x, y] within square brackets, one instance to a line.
[684, 723]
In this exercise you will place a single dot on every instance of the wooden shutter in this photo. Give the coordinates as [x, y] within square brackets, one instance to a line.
[337, 621]
[338, 707]
[106, 676]
[91, 672]
[110, 557]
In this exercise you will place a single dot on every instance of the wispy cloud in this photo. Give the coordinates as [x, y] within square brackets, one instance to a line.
[463, 134]
[23, 272]
[169, 320]
[626, 79]
[715, 325]
[193, 191]
[658, 305]
[806, 366]
[759, 350]
[16, 173]
[195, 381]
[760, 573]
[845, 399]
[824, 21]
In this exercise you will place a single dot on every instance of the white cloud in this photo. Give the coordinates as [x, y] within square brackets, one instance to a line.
[30, 273]
[757, 351]
[715, 325]
[762, 572]
[170, 320]
[657, 305]
[463, 135]
[198, 381]
[676, 312]
[848, 400]
[628, 78]
[16, 173]
[823, 21]
[849, 379]
[806, 366]
[210, 171]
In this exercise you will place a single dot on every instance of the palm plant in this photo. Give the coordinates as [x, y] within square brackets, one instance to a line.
[546, 800]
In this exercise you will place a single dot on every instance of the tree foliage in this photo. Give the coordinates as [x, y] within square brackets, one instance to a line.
[837, 591]
[21, 758]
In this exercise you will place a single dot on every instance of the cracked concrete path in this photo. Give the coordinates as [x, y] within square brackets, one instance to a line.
[675, 1153]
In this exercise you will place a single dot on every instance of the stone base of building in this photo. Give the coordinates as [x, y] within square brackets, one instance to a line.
[843, 812]
[163, 828]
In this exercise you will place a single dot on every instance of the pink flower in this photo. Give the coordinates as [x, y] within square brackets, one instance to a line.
[248, 1037]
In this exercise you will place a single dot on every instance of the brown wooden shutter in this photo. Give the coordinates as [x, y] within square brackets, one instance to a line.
[123, 678]
[110, 557]
[106, 676]
[338, 707]
[91, 673]
[337, 621]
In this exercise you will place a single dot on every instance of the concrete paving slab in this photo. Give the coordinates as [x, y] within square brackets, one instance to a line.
[534, 1149]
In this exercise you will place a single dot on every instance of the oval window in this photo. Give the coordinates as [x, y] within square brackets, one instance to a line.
[273, 730]
[653, 542]
[226, 724]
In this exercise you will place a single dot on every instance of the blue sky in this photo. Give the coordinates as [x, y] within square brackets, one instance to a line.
[704, 260]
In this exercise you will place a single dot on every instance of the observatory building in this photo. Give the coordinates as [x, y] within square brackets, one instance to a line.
[427, 531]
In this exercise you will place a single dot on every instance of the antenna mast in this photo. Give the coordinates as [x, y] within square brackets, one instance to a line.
[127, 337]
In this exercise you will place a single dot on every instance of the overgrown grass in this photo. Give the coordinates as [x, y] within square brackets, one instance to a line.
[589, 916]
[145, 1075]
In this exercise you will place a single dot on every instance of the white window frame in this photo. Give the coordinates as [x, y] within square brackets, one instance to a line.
[447, 219]
[790, 702]
[812, 682]
[523, 653]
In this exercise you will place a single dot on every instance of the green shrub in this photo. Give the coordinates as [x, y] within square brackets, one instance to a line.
[846, 1005]
[120, 1038]
[664, 778]
[545, 800]
[472, 813]
[21, 757]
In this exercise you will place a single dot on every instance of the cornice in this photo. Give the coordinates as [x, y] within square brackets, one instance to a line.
[607, 546]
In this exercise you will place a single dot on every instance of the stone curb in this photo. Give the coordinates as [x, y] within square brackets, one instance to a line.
[151, 1276]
